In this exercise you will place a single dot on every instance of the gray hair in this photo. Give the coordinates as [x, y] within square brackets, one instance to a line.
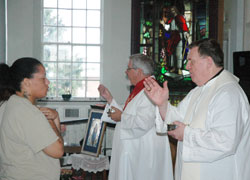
[143, 62]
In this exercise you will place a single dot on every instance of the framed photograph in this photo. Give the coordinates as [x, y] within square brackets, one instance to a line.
[94, 133]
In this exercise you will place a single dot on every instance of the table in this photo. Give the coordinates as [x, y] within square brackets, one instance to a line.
[89, 164]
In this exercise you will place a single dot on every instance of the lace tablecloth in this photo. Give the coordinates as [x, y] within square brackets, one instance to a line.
[89, 163]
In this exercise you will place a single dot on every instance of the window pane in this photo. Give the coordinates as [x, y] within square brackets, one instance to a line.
[92, 88]
[71, 56]
[78, 88]
[93, 18]
[64, 70]
[50, 70]
[78, 70]
[93, 70]
[93, 4]
[50, 3]
[79, 53]
[93, 53]
[79, 35]
[50, 53]
[79, 18]
[93, 35]
[64, 35]
[64, 17]
[64, 3]
[50, 34]
[50, 17]
[64, 53]
[64, 87]
[52, 89]
[79, 4]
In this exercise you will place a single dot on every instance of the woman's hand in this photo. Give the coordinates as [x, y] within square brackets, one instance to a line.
[49, 113]
[55, 149]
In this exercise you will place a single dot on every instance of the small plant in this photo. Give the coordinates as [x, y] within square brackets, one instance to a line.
[67, 93]
[66, 87]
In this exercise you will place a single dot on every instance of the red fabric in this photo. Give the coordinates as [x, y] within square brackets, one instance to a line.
[138, 87]
[175, 38]
[169, 21]
[181, 23]
[172, 42]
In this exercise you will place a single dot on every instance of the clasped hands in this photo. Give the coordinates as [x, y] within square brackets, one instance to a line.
[53, 116]
[114, 113]
[49, 113]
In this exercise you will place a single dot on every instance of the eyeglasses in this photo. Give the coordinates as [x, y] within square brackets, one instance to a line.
[128, 69]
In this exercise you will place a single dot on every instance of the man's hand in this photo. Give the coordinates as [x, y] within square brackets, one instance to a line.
[115, 115]
[178, 133]
[158, 95]
[155, 92]
[104, 92]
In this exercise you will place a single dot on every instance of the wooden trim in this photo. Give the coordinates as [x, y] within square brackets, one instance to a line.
[135, 27]
[213, 19]
[72, 149]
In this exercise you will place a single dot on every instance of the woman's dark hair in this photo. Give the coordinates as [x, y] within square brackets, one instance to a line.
[5, 83]
[23, 68]
[209, 47]
[11, 77]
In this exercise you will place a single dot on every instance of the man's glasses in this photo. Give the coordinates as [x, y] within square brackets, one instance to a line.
[128, 69]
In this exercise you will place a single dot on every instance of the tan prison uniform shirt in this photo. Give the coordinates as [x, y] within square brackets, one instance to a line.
[24, 133]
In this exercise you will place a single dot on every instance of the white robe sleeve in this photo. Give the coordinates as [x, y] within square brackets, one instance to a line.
[173, 114]
[223, 129]
[160, 125]
[140, 120]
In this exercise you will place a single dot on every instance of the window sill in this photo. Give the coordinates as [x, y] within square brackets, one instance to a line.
[71, 100]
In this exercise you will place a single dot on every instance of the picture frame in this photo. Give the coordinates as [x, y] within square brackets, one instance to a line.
[94, 133]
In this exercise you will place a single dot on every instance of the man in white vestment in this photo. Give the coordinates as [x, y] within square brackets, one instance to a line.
[138, 152]
[213, 127]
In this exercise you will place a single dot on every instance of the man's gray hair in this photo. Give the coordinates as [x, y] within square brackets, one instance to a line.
[143, 62]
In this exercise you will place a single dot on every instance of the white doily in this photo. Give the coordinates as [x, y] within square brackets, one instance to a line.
[89, 163]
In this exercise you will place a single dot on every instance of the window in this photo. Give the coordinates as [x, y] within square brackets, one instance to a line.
[72, 46]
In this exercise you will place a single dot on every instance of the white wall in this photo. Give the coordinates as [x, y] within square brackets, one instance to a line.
[116, 46]
[2, 31]
[24, 37]
[20, 29]
[236, 28]
[247, 26]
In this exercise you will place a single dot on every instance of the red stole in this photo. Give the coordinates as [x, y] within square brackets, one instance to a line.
[138, 87]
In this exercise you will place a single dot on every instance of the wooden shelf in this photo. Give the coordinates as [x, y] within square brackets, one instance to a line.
[72, 149]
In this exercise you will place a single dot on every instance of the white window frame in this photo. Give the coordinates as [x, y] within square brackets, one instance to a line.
[85, 79]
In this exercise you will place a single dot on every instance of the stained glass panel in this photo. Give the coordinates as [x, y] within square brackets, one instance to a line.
[166, 29]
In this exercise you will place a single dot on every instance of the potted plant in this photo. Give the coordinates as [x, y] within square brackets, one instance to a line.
[67, 95]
